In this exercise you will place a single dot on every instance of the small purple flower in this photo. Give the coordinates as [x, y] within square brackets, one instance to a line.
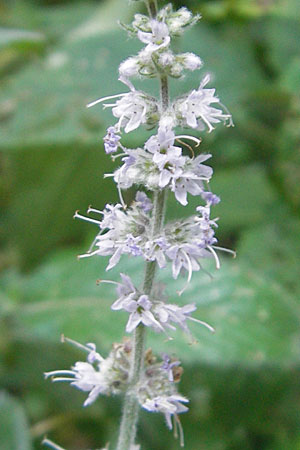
[168, 365]
[111, 141]
[143, 201]
[210, 198]
[168, 405]
[132, 244]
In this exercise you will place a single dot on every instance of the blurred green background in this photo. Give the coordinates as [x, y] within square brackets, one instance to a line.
[243, 382]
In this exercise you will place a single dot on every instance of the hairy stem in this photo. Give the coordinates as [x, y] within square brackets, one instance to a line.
[131, 406]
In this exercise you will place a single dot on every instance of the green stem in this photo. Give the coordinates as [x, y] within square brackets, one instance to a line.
[131, 405]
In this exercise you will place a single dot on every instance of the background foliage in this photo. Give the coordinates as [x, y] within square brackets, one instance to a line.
[243, 382]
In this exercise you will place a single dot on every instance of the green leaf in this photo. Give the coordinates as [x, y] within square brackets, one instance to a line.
[14, 432]
[287, 156]
[282, 34]
[247, 199]
[278, 250]
[19, 38]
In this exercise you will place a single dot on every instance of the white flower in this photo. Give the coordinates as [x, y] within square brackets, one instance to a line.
[129, 67]
[86, 377]
[120, 232]
[166, 59]
[134, 109]
[159, 37]
[161, 164]
[168, 405]
[191, 61]
[139, 310]
[129, 231]
[97, 375]
[153, 313]
[196, 111]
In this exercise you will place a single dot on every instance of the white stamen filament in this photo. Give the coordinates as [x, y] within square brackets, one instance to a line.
[59, 372]
[181, 435]
[215, 256]
[121, 197]
[100, 100]
[190, 272]
[86, 348]
[87, 219]
[202, 323]
[59, 379]
[227, 250]
[108, 282]
[86, 255]
[192, 138]
[90, 209]
[51, 444]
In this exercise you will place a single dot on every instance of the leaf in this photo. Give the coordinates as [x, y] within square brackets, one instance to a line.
[19, 38]
[247, 199]
[281, 34]
[14, 432]
[287, 156]
[278, 250]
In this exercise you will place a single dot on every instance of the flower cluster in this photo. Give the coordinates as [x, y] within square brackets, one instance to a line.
[154, 313]
[129, 231]
[167, 161]
[156, 391]
[97, 375]
[161, 164]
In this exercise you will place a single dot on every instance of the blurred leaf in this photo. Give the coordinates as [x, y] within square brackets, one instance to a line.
[14, 432]
[247, 199]
[277, 252]
[256, 320]
[238, 9]
[287, 156]
[19, 38]
[282, 34]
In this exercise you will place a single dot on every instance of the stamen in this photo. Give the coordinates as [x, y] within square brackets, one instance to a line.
[229, 116]
[121, 197]
[227, 250]
[58, 379]
[210, 127]
[108, 105]
[190, 272]
[108, 282]
[114, 157]
[90, 209]
[202, 323]
[51, 444]
[100, 100]
[87, 219]
[192, 138]
[181, 435]
[186, 145]
[86, 255]
[215, 256]
[59, 372]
